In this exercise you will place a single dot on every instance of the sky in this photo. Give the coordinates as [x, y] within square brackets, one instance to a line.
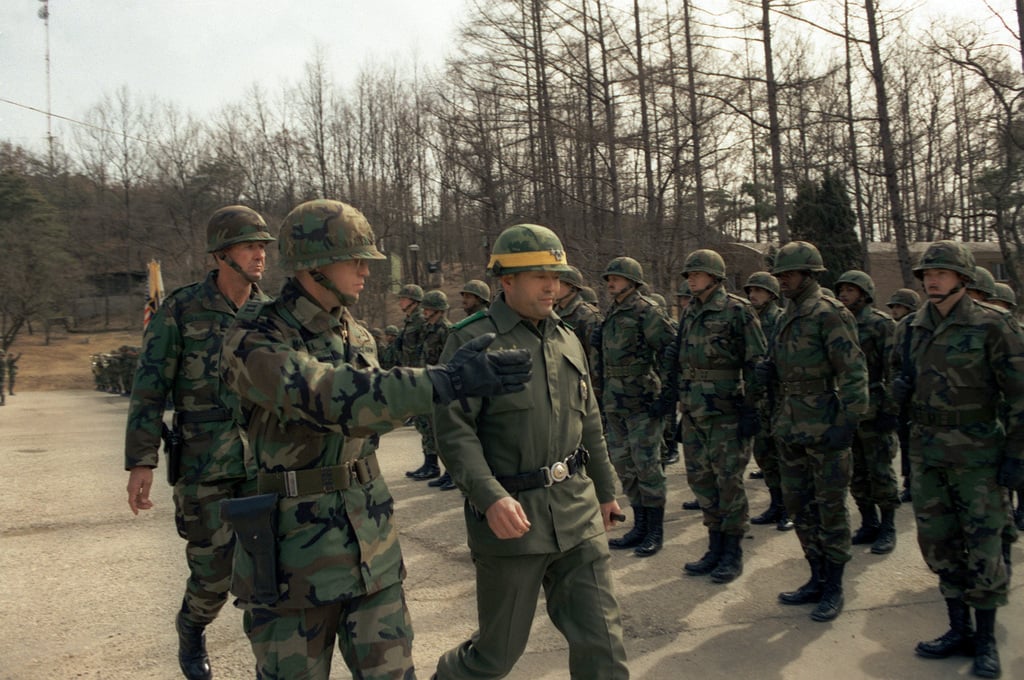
[203, 54]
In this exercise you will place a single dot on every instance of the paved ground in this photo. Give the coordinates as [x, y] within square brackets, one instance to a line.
[89, 591]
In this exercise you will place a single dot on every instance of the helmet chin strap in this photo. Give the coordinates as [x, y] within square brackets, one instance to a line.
[938, 299]
[804, 282]
[343, 300]
[234, 265]
[700, 291]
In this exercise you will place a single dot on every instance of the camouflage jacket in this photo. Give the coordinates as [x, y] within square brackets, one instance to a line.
[524, 431]
[410, 340]
[875, 330]
[967, 408]
[720, 342]
[434, 335]
[634, 337]
[821, 372]
[769, 316]
[389, 355]
[311, 397]
[179, 359]
[583, 318]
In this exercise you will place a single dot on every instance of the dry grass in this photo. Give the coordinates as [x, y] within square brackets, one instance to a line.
[64, 364]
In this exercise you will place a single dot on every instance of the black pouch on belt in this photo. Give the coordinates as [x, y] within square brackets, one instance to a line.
[254, 520]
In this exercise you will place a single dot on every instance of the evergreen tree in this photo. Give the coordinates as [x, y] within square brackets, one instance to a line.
[823, 214]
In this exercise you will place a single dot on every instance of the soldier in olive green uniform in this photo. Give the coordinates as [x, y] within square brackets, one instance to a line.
[476, 297]
[631, 347]
[901, 303]
[540, 491]
[582, 316]
[719, 343]
[435, 332]
[873, 483]
[965, 387]
[762, 290]
[819, 378]
[182, 344]
[319, 556]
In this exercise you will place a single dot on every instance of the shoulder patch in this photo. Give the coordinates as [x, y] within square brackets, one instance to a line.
[475, 316]
[251, 309]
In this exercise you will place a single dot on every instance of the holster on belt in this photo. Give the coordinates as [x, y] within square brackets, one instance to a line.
[254, 520]
[173, 445]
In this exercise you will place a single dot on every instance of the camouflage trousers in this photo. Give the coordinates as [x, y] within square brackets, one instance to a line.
[961, 518]
[814, 486]
[210, 543]
[425, 426]
[716, 460]
[873, 481]
[766, 454]
[580, 602]
[374, 634]
[634, 446]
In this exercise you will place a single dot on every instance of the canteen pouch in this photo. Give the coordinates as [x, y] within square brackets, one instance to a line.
[254, 520]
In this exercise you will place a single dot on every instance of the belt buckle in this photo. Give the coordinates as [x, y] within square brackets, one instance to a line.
[291, 484]
[559, 472]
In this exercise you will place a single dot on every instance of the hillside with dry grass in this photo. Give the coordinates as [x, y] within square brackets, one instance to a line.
[65, 363]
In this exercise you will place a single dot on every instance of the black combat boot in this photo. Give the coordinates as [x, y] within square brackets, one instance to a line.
[707, 563]
[634, 536]
[809, 592]
[868, 531]
[440, 481]
[831, 593]
[419, 470]
[691, 505]
[1018, 514]
[986, 658]
[192, 657]
[784, 523]
[775, 509]
[1008, 559]
[959, 639]
[885, 543]
[431, 469]
[730, 564]
[652, 542]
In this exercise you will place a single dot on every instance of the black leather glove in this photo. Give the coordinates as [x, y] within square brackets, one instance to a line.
[902, 390]
[886, 422]
[1011, 474]
[765, 372]
[663, 405]
[474, 372]
[595, 337]
[749, 421]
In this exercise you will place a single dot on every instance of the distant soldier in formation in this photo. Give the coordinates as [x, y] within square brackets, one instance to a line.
[902, 303]
[476, 297]
[409, 344]
[873, 482]
[631, 344]
[965, 387]
[435, 332]
[12, 371]
[762, 290]
[669, 436]
[983, 286]
[818, 375]
[582, 316]
[1007, 299]
[683, 300]
[3, 371]
[589, 295]
[389, 348]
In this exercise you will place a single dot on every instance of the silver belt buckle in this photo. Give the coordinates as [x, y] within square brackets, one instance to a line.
[291, 484]
[559, 472]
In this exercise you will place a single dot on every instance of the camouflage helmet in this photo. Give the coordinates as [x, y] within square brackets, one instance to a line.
[391, 329]
[946, 255]
[862, 280]
[798, 256]
[588, 294]
[572, 276]
[235, 224]
[763, 280]
[316, 233]
[684, 290]
[478, 288]
[1004, 294]
[660, 299]
[412, 292]
[704, 260]
[527, 247]
[983, 281]
[377, 333]
[627, 268]
[435, 299]
[906, 297]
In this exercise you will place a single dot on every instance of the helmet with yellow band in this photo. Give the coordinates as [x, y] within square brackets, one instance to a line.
[527, 247]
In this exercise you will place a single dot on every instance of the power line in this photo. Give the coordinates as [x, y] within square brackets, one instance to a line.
[80, 123]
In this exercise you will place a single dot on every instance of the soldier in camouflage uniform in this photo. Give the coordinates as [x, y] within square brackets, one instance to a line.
[762, 290]
[389, 348]
[539, 487]
[313, 402]
[629, 348]
[589, 295]
[901, 304]
[818, 375]
[683, 300]
[582, 317]
[719, 343]
[410, 343]
[435, 309]
[1006, 299]
[965, 387]
[3, 365]
[671, 435]
[873, 483]
[983, 286]
[12, 371]
[179, 361]
[476, 297]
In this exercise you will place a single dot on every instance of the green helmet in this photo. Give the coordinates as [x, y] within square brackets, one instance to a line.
[316, 233]
[235, 224]
[572, 276]
[478, 288]
[906, 297]
[627, 268]
[707, 261]
[684, 290]
[588, 294]
[946, 255]
[862, 280]
[435, 299]
[660, 299]
[411, 291]
[1005, 294]
[391, 329]
[983, 281]
[527, 247]
[798, 256]
[763, 280]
